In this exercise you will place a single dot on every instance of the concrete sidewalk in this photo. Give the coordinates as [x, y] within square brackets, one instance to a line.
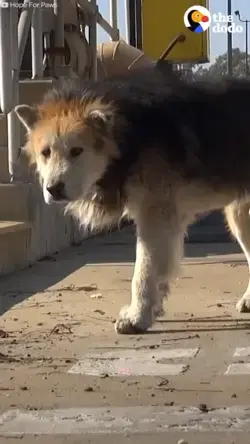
[59, 349]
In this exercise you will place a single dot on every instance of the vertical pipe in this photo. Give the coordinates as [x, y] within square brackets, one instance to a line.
[46, 45]
[59, 30]
[138, 14]
[13, 122]
[247, 70]
[132, 23]
[114, 17]
[127, 21]
[23, 28]
[6, 96]
[229, 43]
[93, 41]
[37, 42]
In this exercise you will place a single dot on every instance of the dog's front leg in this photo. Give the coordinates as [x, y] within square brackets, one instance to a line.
[158, 252]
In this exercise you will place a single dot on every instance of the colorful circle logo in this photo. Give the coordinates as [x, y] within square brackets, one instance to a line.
[197, 18]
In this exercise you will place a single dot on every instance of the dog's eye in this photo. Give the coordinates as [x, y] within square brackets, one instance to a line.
[46, 152]
[76, 151]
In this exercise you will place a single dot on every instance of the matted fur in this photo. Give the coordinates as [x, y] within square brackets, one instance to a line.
[157, 152]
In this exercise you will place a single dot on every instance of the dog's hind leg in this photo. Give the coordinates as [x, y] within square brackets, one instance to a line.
[238, 220]
[158, 253]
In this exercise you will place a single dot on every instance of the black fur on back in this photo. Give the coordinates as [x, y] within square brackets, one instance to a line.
[202, 129]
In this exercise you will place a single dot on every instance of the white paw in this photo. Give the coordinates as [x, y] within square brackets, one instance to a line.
[243, 305]
[133, 322]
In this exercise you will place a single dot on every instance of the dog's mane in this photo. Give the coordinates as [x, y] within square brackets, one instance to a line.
[187, 123]
[137, 98]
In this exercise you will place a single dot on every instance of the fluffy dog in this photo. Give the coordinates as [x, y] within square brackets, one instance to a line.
[155, 152]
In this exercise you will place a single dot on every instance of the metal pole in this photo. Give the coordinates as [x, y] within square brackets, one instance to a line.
[59, 30]
[93, 41]
[37, 42]
[114, 18]
[247, 48]
[229, 43]
[237, 13]
[108, 28]
[138, 24]
[127, 20]
[23, 28]
[132, 23]
[13, 123]
[6, 95]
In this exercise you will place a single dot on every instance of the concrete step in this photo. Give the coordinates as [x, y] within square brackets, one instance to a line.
[14, 241]
[15, 201]
[31, 92]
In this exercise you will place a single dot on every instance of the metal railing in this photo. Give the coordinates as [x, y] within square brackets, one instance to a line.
[14, 33]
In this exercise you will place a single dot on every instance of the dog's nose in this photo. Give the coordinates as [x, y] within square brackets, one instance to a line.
[57, 190]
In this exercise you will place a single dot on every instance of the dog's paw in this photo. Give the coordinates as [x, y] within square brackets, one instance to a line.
[243, 305]
[131, 322]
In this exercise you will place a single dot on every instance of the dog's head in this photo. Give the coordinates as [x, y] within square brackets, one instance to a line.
[71, 145]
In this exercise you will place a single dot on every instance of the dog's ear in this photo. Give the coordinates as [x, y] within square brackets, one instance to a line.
[27, 115]
[100, 119]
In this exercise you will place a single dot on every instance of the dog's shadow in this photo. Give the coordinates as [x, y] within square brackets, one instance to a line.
[116, 247]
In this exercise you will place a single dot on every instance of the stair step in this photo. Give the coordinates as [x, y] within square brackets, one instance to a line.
[15, 201]
[14, 241]
[11, 226]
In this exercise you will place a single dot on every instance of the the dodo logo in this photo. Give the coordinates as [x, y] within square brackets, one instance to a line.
[197, 18]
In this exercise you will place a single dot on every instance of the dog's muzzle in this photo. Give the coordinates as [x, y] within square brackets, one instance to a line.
[57, 191]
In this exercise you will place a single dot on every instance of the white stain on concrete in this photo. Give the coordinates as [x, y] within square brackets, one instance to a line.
[134, 362]
[76, 421]
[238, 369]
[242, 352]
